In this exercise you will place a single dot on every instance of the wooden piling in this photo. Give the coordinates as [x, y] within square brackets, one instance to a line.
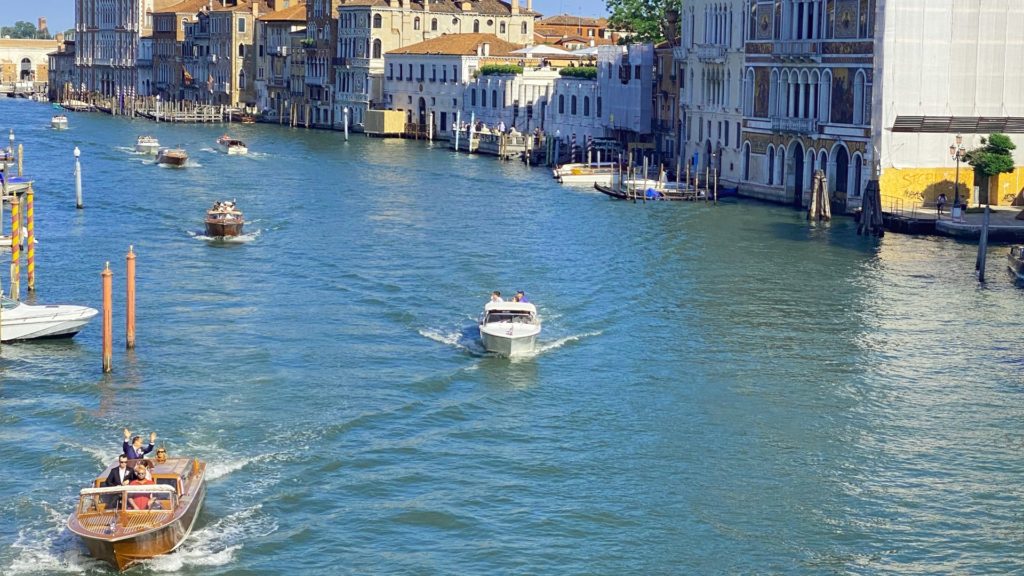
[21, 154]
[30, 239]
[108, 338]
[979, 263]
[130, 299]
[15, 248]
[78, 179]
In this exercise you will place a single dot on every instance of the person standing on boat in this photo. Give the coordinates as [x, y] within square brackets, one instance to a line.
[496, 296]
[133, 449]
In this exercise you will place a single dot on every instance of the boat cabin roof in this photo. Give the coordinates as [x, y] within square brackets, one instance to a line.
[510, 307]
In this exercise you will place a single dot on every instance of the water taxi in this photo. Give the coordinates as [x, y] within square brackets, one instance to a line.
[232, 146]
[59, 122]
[125, 524]
[224, 219]
[172, 157]
[147, 145]
[509, 328]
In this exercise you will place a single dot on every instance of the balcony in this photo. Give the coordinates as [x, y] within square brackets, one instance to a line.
[784, 125]
[711, 52]
[797, 49]
[679, 53]
[281, 51]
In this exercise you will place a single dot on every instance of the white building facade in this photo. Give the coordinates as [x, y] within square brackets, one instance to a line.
[107, 36]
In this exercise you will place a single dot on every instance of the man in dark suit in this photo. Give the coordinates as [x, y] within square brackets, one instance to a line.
[120, 476]
[133, 448]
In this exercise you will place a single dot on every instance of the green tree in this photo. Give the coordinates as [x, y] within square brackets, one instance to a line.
[643, 19]
[21, 29]
[995, 156]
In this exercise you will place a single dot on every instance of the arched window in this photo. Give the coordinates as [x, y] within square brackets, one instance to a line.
[858, 98]
[241, 80]
[433, 24]
[376, 47]
[376, 20]
[572, 105]
[472, 96]
[561, 103]
[524, 29]
[494, 98]
[746, 160]
[771, 165]
[476, 25]
[416, 23]
[586, 105]
[241, 50]
[501, 27]
[858, 167]
[598, 106]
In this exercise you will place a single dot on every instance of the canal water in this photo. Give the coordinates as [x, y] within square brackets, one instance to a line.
[718, 390]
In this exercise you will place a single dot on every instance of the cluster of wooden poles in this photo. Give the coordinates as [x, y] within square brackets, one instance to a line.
[108, 313]
[20, 205]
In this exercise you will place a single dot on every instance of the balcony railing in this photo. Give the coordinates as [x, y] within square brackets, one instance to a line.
[796, 48]
[710, 52]
[783, 124]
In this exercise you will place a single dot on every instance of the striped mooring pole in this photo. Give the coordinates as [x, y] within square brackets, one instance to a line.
[30, 239]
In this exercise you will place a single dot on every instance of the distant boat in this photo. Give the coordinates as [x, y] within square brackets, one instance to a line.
[125, 524]
[172, 157]
[1015, 261]
[20, 321]
[509, 328]
[232, 146]
[59, 122]
[147, 145]
[224, 219]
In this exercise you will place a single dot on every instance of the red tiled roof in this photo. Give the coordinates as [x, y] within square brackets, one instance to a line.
[459, 45]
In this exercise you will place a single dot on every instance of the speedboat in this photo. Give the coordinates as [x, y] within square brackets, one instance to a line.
[172, 157]
[232, 146]
[20, 321]
[59, 122]
[147, 145]
[123, 525]
[1015, 261]
[587, 173]
[224, 219]
[509, 328]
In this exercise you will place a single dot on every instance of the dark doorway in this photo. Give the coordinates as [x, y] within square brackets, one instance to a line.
[422, 112]
[798, 175]
[842, 177]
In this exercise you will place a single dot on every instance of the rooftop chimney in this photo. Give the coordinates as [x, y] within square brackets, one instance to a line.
[529, 5]
[426, 5]
[487, 49]
[515, 7]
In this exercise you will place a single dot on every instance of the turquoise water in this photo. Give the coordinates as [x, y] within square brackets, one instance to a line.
[718, 390]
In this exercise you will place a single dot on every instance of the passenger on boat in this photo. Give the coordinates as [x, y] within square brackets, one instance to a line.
[122, 474]
[161, 455]
[140, 501]
[134, 448]
[520, 296]
[496, 296]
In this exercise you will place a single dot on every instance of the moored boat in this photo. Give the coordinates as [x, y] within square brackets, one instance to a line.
[172, 157]
[224, 219]
[509, 328]
[587, 173]
[1015, 262]
[147, 145]
[232, 146]
[125, 524]
[20, 321]
[59, 122]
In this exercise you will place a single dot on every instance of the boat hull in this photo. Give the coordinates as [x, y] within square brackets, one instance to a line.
[605, 178]
[224, 229]
[147, 148]
[172, 160]
[505, 341]
[59, 125]
[61, 325]
[234, 150]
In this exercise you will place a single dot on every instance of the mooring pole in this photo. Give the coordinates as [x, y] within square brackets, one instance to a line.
[108, 320]
[130, 299]
[78, 179]
[30, 239]
[21, 154]
[16, 248]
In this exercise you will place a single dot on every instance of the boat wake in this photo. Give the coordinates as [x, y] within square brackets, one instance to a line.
[467, 340]
[49, 548]
[543, 347]
[217, 543]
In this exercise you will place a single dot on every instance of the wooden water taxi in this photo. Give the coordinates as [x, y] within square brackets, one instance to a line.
[125, 524]
[172, 157]
[224, 219]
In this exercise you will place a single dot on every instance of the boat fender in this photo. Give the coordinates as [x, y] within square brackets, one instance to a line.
[195, 466]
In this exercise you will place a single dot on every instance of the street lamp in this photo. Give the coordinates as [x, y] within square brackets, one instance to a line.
[956, 152]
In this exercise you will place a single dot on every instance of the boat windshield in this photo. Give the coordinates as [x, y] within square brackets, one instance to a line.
[141, 498]
[508, 316]
[8, 304]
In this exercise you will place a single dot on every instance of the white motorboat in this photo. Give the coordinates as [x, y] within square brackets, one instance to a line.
[587, 173]
[232, 146]
[20, 321]
[59, 122]
[509, 328]
[147, 145]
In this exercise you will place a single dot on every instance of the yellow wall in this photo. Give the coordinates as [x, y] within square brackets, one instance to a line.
[916, 186]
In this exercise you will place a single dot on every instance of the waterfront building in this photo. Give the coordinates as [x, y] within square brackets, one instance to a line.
[107, 36]
[320, 46]
[62, 75]
[667, 127]
[368, 29]
[296, 103]
[806, 99]
[144, 67]
[625, 78]
[168, 39]
[275, 33]
[515, 100]
[941, 68]
[26, 60]
[575, 108]
[710, 61]
[592, 31]
[219, 53]
[429, 80]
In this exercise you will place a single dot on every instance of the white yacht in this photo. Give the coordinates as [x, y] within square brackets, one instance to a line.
[232, 146]
[20, 321]
[147, 145]
[59, 122]
[509, 328]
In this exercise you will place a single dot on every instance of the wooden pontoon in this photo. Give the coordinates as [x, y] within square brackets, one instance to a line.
[125, 524]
